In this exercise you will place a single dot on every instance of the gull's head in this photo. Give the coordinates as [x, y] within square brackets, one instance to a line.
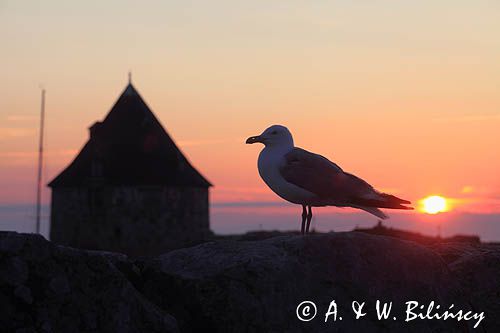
[274, 136]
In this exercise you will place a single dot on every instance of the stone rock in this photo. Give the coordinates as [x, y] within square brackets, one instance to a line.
[478, 273]
[48, 288]
[256, 286]
[245, 286]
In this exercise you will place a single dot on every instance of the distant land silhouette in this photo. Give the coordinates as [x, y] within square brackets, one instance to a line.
[378, 229]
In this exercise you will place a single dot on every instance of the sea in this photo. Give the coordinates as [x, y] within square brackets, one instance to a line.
[240, 217]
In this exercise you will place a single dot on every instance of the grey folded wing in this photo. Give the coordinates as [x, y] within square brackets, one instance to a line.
[322, 177]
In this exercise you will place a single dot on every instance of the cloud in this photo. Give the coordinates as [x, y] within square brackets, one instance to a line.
[190, 143]
[231, 204]
[16, 132]
[27, 158]
[23, 154]
[469, 118]
[243, 190]
[467, 189]
[20, 118]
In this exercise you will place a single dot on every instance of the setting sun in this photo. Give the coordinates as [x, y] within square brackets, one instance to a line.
[434, 204]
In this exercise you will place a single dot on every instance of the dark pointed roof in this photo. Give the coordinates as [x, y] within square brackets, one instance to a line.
[130, 147]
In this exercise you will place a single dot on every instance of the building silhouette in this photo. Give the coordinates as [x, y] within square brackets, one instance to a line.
[130, 189]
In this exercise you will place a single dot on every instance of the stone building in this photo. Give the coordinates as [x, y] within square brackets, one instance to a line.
[130, 189]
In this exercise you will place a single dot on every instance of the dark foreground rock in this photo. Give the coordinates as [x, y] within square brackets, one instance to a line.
[48, 288]
[246, 286]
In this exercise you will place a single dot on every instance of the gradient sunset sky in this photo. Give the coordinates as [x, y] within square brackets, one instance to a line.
[404, 94]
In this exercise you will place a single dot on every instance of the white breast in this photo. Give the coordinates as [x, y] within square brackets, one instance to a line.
[268, 164]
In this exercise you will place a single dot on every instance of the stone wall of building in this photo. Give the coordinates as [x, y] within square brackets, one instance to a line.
[137, 221]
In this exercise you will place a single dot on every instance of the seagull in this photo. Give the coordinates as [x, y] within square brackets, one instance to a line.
[311, 180]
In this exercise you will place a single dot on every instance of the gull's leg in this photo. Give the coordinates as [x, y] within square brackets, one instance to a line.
[304, 216]
[309, 218]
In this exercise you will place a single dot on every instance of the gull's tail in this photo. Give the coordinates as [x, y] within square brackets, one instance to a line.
[375, 211]
[382, 200]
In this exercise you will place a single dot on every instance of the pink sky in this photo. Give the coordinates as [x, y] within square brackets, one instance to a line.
[405, 96]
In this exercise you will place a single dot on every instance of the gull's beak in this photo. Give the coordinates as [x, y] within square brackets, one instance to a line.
[254, 139]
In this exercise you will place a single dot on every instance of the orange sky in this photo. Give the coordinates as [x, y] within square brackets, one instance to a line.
[403, 95]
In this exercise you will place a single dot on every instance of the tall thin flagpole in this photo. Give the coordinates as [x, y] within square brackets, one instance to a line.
[40, 165]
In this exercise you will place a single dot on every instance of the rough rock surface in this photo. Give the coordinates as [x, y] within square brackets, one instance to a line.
[245, 286]
[49, 288]
[256, 286]
[477, 268]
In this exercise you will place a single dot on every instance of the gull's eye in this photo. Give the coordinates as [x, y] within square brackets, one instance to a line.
[274, 132]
